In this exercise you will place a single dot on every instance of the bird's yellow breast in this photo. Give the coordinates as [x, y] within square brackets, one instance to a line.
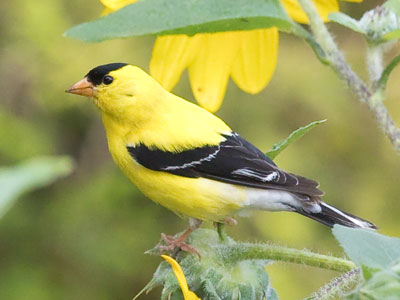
[194, 197]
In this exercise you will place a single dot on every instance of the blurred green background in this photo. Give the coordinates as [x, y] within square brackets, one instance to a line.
[84, 236]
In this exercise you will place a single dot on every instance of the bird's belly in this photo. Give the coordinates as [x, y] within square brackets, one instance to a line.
[194, 197]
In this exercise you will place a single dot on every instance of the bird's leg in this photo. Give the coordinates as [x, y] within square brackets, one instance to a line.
[231, 221]
[221, 232]
[220, 227]
[178, 243]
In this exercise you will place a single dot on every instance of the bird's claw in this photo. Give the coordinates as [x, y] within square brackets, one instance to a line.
[176, 244]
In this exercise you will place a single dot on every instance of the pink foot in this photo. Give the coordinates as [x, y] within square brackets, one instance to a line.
[175, 244]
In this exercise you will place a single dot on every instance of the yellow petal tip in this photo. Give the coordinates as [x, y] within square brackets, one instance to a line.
[176, 268]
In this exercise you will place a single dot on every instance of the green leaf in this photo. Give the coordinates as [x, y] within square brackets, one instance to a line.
[294, 136]
[393, 5]
[384, 284]
[388, 70]
[345, 21]
[29, 175]
[299, 31]
[393, 35]
[158, 278]
[149, 17]
[367, 247]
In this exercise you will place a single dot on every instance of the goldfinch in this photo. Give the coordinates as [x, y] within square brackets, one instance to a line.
[188, 160]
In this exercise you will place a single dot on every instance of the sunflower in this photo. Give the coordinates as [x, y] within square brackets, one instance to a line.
[249, 57]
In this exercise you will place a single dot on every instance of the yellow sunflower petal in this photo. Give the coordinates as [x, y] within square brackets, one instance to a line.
[256, 60]
[171, 55]
[210, 70]
[114, 5]
[324, 8]
[106, 11]
[176, 268]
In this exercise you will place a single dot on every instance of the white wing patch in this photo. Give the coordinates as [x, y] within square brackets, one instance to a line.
[193, 163]
[253, 174]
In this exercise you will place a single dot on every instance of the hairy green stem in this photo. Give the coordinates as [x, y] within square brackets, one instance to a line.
[244, 251]
[338, 286]
[335, 58]
[375, 63]
[221, 232]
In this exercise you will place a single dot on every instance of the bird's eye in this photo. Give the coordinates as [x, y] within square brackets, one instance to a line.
[108, 79]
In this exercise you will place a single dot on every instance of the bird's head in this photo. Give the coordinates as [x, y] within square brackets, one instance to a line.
[116, 88]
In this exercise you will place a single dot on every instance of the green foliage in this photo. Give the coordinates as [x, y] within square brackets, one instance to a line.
[384, 284]
[25, 133]
[294, 136]
[388, 70]
[216, 276]
[189, 17]
[379, 25]
[233, 270]
[367, 247]
[87, 235]
[346, 21]
[29, 175]
[393, 5]
[338, 287]
[379, 258]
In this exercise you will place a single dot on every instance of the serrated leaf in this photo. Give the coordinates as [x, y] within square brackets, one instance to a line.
[367, 247]
[294, 136]
[149, 17]
[346, 21]
[29, 175]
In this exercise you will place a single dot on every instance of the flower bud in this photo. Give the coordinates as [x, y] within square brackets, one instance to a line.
[218, 274]
[378, 23]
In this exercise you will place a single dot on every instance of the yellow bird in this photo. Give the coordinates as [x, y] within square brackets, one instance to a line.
[188, 160]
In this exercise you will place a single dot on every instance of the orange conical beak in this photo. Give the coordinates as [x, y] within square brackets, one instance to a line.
[83, 88]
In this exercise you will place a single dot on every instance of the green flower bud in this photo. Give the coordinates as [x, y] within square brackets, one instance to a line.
[215, 276]
[378, 24]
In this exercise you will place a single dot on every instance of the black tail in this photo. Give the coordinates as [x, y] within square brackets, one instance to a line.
[330, 216]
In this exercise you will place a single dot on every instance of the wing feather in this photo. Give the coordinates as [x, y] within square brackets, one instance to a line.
[233, 161]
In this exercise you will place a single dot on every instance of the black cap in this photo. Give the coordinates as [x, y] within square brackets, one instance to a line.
[96, 75]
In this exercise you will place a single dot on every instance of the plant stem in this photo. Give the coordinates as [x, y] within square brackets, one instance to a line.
[221, 233]
[375, 63]
[337, 61]
[244, 251]
[338, 286]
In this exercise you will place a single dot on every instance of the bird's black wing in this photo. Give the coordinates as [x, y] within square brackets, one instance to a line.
[233, 161]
